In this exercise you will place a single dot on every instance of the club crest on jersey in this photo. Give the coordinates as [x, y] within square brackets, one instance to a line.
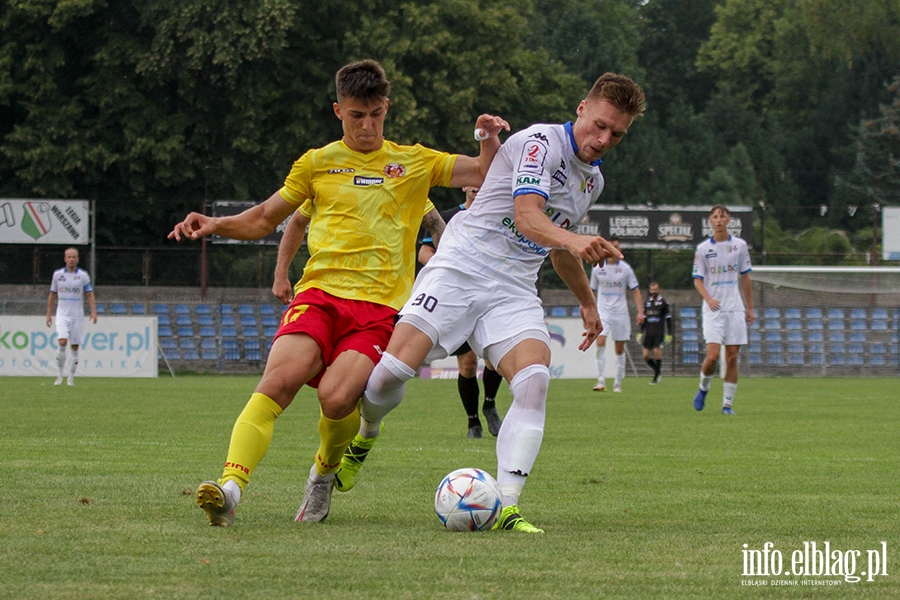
[359, 180]
[533, 155]
[338, 171]
[394, 170]
[588, 185]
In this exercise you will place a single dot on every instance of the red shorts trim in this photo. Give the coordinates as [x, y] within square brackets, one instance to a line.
[337, 325]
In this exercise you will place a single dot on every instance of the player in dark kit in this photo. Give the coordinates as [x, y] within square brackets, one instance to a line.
[467, 382]
[657, 321]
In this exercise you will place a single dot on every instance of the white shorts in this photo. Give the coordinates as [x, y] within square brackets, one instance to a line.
[617, 327]
[729, 328]
[452, 307]
[71, 329]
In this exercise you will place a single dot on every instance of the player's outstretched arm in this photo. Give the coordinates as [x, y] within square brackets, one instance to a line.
[571, 272]
[287, 250]
[252, 224]
[471, 170]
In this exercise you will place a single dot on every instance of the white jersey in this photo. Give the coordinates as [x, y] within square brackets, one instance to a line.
[720, 266]
[611, 282]
[537, 160]
[70, 288]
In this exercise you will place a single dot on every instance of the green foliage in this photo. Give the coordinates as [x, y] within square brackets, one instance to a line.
[876, 174]
[607, 40]
[152, 106]
[672, 32]
[815, 246]
[847, 29]
[807, 86]
[165, 100]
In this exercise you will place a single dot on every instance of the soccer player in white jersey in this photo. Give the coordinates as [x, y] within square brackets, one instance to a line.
[610, 280]
[722, 276]
[68, 289]
[480, 284]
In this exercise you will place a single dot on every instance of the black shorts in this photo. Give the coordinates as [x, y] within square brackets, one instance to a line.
[653, 341]
[464, 349]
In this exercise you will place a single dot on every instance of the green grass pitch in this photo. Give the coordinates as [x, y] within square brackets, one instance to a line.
[640, 496]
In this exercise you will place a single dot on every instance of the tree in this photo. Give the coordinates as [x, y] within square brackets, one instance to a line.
[807, 94]
[589, 38]
[878, 151]
[672, 32]
[166, 100]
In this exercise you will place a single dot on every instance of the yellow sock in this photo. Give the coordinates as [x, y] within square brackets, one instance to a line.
[250, 438]
[334, 437]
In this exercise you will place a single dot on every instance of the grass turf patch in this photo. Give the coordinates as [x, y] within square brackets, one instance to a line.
[640, 495]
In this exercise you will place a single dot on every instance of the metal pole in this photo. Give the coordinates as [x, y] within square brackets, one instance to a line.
[92, 238]
[876, 208]
[762, 232]
[203, 239]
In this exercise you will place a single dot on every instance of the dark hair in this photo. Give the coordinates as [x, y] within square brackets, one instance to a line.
[721, 207]
[620, 91]
[363, 80]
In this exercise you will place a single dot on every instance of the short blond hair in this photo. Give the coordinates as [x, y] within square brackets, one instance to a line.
[620, 91]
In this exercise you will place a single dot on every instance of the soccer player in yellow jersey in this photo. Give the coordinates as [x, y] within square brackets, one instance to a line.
[366, 197]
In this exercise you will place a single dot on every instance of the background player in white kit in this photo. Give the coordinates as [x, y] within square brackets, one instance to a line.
[722, 276]
[480, 284]
[68, 288]
[610, 280]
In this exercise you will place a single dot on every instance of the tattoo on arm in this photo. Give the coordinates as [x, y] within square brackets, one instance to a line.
[435, 225]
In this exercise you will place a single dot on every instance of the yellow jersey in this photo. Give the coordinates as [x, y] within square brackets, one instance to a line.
[364, 211]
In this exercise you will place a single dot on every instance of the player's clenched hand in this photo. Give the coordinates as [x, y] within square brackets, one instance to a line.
[193, 227]
[282, 290]
[592, 249]
[491, 124]
[592, 326]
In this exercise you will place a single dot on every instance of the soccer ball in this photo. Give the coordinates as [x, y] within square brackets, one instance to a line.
[468, 500]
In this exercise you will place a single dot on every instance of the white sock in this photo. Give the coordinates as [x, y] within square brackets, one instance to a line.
[232, 489]
[61, 359]
[705, 381]
[620, 368]
[313, 474]
[384, 392]
[730, 390]
[74, 363]
[601, 363]
[520, 436]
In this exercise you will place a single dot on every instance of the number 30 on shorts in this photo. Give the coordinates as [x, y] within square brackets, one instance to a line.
[429, 303]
